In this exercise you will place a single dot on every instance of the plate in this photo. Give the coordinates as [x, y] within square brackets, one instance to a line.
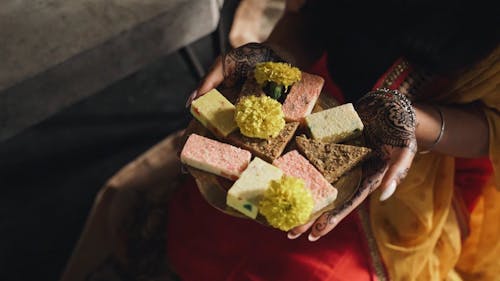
[214, 188]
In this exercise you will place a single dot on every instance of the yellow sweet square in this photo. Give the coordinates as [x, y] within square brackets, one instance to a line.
[215, 112]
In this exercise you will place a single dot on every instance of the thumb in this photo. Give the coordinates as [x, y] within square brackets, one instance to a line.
[395, 174]
[213, 79]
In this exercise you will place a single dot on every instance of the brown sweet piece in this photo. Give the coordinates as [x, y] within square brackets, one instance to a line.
[331, 159]
[269, 149]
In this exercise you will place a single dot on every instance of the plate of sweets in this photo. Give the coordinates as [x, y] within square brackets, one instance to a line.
[280, 153]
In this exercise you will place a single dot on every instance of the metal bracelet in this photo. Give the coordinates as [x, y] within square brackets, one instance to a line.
[441, 132]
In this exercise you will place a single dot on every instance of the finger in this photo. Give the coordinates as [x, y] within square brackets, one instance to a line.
[212, 80]
[329, 220]
[395, 174]
[297, 231]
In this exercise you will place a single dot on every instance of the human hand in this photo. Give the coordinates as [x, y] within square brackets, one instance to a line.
[390, 123]
[231, 69]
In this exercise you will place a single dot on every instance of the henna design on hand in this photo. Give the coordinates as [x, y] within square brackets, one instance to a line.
[401, 175]
[372, 169]
[238, 62]
[389, 119]
[330, 219]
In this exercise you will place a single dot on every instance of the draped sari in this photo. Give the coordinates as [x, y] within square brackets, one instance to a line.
[420, 232]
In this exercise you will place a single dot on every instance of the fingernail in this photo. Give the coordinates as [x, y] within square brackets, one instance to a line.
[388, 191]
[191, 98]
[292, 235]
[313, 238]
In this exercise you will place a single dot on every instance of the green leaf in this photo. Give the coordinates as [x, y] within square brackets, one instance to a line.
[277, 91]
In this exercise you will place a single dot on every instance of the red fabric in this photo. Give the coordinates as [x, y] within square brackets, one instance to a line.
[205, 244]
[402, 76]
[470, 176]
[320, 68]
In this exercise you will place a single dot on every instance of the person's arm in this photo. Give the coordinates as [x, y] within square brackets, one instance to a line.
[465, 130]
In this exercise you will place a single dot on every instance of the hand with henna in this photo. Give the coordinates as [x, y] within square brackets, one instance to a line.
[390, 124]
[231, 69]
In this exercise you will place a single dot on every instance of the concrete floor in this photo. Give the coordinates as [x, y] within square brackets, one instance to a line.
[50, 173]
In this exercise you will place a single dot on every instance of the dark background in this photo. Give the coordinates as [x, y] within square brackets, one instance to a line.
[50, 173]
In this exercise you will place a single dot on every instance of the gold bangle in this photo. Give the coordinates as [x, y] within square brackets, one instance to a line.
[441, 132]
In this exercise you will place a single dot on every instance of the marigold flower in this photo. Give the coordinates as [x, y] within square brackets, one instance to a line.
[259, 117]
[278, 72]
[286, 203]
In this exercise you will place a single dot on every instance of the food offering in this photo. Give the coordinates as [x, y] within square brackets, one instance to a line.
[332, 159]
[276, 155]
[215, 157]
[267, 149]
[246, 192]
[215, 112]
[300, 102]
[295, 165]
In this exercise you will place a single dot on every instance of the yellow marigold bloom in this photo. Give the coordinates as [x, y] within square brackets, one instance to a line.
[259, 117]
[277, 72]
[286, 203]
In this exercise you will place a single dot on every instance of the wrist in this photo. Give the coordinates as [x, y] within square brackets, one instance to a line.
[389, 119]
[430, 126]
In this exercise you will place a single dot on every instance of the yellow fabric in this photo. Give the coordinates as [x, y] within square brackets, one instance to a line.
[416, 230]
[480, 261]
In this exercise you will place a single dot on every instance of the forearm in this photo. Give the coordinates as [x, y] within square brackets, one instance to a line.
[292, 38]
[465, 133]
